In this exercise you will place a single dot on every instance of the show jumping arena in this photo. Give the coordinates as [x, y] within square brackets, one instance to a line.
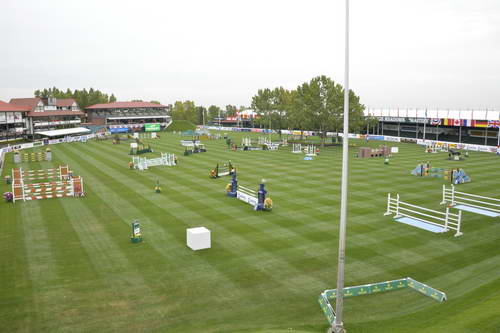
[117, 260]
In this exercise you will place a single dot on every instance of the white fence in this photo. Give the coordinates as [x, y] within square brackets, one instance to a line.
[444, 221]
[143, 163]
[471, 202]
[190, 143]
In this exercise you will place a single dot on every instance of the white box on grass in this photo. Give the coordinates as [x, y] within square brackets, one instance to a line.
[394, 149]
[198, 238]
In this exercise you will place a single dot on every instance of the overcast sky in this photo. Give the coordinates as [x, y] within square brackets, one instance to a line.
[426, 53]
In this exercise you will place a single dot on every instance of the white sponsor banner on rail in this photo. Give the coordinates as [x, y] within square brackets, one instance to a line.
[392, 138]
[247, 198]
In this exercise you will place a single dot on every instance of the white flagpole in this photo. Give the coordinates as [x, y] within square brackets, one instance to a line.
[425, 121]
[338, 325]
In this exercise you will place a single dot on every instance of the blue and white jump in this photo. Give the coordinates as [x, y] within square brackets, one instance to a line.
[423, 218]
[254, 198]
[471, 202]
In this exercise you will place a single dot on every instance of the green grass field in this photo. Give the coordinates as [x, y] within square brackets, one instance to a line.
[68, 264]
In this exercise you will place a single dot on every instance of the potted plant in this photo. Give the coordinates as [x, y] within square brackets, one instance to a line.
[8, 196]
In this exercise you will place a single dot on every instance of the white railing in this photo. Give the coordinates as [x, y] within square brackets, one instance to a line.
[454, 198]
[247, 195]
[446, 220]
[143, 163]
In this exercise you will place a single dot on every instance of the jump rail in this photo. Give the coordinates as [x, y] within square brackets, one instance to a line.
[436, 221]
[471, 202]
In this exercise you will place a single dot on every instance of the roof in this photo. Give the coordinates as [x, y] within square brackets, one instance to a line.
[65, 131]
[30, 102]
[55, 113]
[125, 105]
[65, 102]
[7, 107]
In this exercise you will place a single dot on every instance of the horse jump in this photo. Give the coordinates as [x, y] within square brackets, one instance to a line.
[66, 185]
[143, 163]
[471, 202]
[297, 148]
[32, 157]
[423, 218]
[255, 198]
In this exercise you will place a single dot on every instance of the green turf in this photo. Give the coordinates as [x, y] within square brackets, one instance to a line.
[181, 125]
[68, 264]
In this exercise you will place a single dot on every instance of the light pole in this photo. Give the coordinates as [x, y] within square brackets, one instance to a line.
[338, 325]
[219, 119]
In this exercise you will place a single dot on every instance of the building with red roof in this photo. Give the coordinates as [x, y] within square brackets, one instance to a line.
[12, 120]
[128, 116]
[42, 114]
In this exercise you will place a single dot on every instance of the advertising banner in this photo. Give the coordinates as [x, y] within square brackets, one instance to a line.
[152, 127]
[118, 130]
[247, 198]
[426, 290]
[327, 308]
[392, 138]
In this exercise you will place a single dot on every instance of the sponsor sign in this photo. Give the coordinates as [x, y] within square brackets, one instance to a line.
[152, 127]
[426, 290]
[118, 130]
[136, 229]
[247, 198]
[376, 137]
[392, 138]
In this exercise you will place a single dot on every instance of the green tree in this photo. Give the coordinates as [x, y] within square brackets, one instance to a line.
[201, 112]
[155, 102]
[262, 105]
[230, 110]
[184, 111]
[112, 98]
[83, 97]
[213, 113]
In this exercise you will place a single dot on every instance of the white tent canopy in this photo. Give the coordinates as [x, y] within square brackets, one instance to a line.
[64, 131]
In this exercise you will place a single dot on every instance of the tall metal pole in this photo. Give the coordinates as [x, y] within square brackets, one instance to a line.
[219, 119]
[338, 325]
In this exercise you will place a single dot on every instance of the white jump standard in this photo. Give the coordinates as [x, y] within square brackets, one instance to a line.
[471, 202]
[427, 219]
[297, 148]
[310, 150]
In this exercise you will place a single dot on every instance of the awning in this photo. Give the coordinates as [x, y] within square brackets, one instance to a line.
[137, 117]
[65, 131]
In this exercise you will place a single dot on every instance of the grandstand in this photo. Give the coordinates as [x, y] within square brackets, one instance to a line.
[128, 115]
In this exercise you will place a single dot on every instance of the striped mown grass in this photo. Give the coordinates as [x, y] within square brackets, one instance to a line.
[68, 264]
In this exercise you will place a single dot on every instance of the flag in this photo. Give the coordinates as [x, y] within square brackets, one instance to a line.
[457, 122]
[480, 123]
[494, 123]
[435, 121]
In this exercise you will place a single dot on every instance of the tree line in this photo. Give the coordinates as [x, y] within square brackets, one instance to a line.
[82, 97]
[317, 105]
